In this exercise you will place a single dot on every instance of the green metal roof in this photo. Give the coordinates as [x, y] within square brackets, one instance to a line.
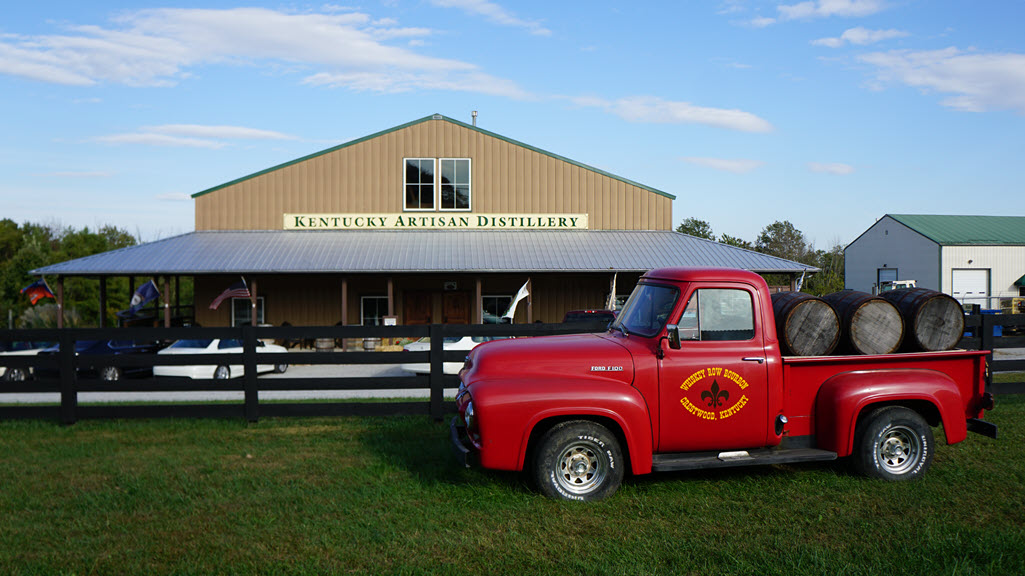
[425, 119]
[967, 230]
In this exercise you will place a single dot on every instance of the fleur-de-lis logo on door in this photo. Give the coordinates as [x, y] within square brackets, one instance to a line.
[715, 397]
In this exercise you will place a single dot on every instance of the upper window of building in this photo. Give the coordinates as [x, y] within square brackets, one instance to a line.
[418, 183]
[455, 184]
[425, 188]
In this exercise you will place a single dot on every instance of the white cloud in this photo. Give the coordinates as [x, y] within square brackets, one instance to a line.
[153, 139]
[831, 168]
[861, 37]
[218, 132]
[654, 110]
[83, 174]
[192, 136]
[160, 47]
[829, 8]
[734, 165]
[494, 13]
[976, 82]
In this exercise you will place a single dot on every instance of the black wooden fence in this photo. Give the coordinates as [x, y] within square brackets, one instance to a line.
[69, 383]
[62, 372]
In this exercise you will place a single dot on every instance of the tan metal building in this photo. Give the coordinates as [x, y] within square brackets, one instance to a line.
[433, 221]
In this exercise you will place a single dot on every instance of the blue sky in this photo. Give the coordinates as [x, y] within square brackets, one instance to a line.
[826, 113]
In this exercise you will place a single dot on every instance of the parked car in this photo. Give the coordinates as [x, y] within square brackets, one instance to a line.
[216, 371]
[19, 373]
[590, 316]
[86, 348]
[451, 343]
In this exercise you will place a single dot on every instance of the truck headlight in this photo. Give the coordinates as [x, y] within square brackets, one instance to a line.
[472, 428]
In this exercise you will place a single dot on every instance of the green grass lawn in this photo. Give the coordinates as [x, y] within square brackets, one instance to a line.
[383, 495]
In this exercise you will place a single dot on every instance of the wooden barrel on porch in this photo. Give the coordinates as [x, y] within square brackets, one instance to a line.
[868, 324]
[934, 320]
[805, 325]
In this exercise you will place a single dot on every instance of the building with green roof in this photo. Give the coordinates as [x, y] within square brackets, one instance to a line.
[975, 259]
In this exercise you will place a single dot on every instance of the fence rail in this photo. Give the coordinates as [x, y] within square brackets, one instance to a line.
[63, 371]
[68, 374]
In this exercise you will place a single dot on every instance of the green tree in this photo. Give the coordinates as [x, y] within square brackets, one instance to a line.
[783, 240]
[696, 227]
[734, 241]
[831, 277]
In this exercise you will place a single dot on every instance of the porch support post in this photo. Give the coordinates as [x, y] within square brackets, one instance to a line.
[167, 302]
[103, 301]
[478, 314]
[60, 302]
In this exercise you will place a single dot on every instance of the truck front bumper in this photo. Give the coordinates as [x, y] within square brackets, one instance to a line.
[464, 451]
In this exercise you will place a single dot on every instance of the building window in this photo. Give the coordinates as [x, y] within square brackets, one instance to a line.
[418, 183]
[494, 308]
[455, 184]
[373, 309]
[242, 309]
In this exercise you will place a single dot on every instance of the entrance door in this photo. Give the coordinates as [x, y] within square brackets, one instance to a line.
[417, 307]
[713, 392]
[455, 308]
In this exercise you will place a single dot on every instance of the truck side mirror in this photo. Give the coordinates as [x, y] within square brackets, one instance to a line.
[673, 335]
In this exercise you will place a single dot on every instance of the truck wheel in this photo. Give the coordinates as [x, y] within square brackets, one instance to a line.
[16, 375]
[222, 373]
[578, 460]
[893, 443]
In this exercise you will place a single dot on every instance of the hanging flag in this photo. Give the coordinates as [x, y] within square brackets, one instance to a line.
[38, 290]
[236, 290]
[611, 304]
[523, 293]
[801, 281]
[143, 295]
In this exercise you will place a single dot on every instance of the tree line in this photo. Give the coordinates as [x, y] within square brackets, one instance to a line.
[29, 246]
[783, 240]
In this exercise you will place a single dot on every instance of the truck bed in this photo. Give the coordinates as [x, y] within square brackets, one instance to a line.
[803, 376]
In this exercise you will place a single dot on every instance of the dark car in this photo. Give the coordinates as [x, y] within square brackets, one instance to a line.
[86, 348]
[600, 317]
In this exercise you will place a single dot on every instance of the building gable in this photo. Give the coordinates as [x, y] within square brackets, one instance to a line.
[365, 176]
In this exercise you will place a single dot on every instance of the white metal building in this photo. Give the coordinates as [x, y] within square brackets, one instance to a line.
[975, 259]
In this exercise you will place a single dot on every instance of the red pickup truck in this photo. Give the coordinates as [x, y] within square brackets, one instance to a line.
[690, 376]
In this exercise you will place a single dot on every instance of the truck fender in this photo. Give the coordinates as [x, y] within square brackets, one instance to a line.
[633, 425]
[844, 397]
[509, 414]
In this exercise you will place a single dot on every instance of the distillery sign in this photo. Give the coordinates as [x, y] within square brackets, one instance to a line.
[435, 221]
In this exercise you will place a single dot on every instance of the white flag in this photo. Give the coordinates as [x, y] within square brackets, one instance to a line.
[523, 293]
[801, 281]
[611, 304]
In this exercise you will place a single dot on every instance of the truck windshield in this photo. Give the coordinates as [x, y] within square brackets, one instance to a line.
[647, 310]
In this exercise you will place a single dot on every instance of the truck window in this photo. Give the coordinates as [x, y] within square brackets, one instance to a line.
[647, 310]
[718, 314]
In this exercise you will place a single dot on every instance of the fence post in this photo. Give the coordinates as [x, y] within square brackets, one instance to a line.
[986, 343]
[437, 378]
[252, 402]
[66, 364]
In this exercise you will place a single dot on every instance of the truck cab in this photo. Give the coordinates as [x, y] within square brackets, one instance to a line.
[690, 376]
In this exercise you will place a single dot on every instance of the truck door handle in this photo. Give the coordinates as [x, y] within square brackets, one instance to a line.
[754, 359]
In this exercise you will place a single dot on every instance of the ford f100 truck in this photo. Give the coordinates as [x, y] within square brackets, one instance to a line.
[690, 376]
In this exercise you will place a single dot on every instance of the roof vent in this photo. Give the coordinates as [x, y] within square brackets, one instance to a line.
[438, 117]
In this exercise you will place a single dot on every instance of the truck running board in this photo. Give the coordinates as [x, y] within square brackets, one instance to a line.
[758, 457]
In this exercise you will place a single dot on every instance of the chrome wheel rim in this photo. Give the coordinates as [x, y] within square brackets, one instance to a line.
[16, 375]
[221, 373]
[582, 467]
[899, 450]
[110, 374]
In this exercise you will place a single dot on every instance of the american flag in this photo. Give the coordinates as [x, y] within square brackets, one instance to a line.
[236, 290]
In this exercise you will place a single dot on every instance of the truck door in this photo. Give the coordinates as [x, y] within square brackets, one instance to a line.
[712, 390]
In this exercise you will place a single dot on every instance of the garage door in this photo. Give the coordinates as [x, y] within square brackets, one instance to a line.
[971, 287]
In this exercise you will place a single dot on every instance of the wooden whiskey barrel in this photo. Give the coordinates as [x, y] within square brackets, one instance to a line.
[934, 320]
[868, 324]
[805, 324]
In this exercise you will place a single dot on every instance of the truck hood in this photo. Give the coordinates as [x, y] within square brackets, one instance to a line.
[568, 357]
